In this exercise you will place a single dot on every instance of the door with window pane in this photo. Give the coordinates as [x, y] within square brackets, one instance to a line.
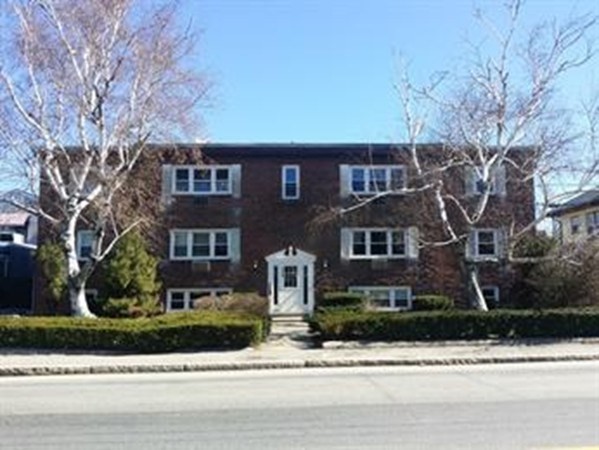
[290, 289]
[290, 282]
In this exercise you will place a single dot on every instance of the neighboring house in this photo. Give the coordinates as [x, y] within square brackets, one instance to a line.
[18, 236]
[18, 227]
[578, 218]
[266, 218]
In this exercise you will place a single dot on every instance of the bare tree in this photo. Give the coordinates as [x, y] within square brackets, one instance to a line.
[498, 121]
[84, 86]
[501, 114]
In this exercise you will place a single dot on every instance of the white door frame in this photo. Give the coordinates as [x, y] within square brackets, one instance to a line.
[298, 298]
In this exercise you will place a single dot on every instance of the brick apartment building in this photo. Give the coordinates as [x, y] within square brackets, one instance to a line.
[267, 219]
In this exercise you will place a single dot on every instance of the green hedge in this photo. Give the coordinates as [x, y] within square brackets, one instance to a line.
[169, 332]
[341, 300]
[432, 303]
[456, 325]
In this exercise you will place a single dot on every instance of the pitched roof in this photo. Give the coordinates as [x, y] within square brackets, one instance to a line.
[16, 195]
[586, 199]
[15, 219]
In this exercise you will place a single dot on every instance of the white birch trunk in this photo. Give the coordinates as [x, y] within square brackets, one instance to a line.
[79, 307]
[481, 303]
[75, 278]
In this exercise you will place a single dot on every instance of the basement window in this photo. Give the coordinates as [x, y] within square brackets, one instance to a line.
[183, 299]
[386, 298]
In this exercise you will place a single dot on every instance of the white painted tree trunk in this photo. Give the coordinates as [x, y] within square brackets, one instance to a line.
[481, 303]
[76, 279]
[79, 307]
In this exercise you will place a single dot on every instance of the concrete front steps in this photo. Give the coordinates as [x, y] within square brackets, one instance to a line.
[290, 330]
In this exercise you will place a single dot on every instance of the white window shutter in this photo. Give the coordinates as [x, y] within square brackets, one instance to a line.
[413, 237]
[171, 244]
[235, 245]
[236, 180]
[345, 243]
[167, 184]
[470, 250]
[344, 188]
[470, 181]
[500, 179]
[501, 238]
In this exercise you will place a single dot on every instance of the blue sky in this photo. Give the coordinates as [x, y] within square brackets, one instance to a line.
[323, 70]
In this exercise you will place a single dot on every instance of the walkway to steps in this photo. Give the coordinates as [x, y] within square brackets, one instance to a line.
[290, 331]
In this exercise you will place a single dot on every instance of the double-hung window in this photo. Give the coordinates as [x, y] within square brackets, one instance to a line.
[480, 186]
[478, 183]
[491, 295]
[575, 224]
[85, 241]
[370, 180]
[484, 243]
[377, 243]
[386, 297]
[592, 222]
[183, 299]
[202, 180]
[290, 182]
[201, 244]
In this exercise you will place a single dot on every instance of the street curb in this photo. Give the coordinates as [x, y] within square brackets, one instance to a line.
[284, 364]
[352, 345]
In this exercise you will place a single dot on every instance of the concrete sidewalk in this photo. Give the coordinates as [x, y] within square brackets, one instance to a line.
[288, 351]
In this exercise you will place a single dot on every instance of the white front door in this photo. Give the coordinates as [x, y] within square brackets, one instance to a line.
[290, 289]
[291, 282]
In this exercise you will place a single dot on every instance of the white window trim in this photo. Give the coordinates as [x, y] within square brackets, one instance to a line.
[389, 232]
[212, 169]
[497, 178]
[213, 291]
[578, 222]
[495, 254]
[79, 241]
[591, 220]
[284, 195]
[477, 176]
[391, 289]
[495, 290]
[367, 169]
[189, 238]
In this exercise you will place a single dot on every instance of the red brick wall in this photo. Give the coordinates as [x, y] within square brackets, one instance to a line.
[269, 224]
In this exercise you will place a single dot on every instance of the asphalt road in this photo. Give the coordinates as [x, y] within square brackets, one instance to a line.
[496, 406]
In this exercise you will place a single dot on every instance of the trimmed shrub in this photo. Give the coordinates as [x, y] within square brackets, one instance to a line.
[456, 325]
[130, 280]
[117, 307]
[53, 265]
[239, 302]
[131, 307]
[249, 303]
[432, 303]
[341, 300]
[170, 332]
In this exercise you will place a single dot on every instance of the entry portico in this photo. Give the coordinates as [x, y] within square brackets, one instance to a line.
[290, 282]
